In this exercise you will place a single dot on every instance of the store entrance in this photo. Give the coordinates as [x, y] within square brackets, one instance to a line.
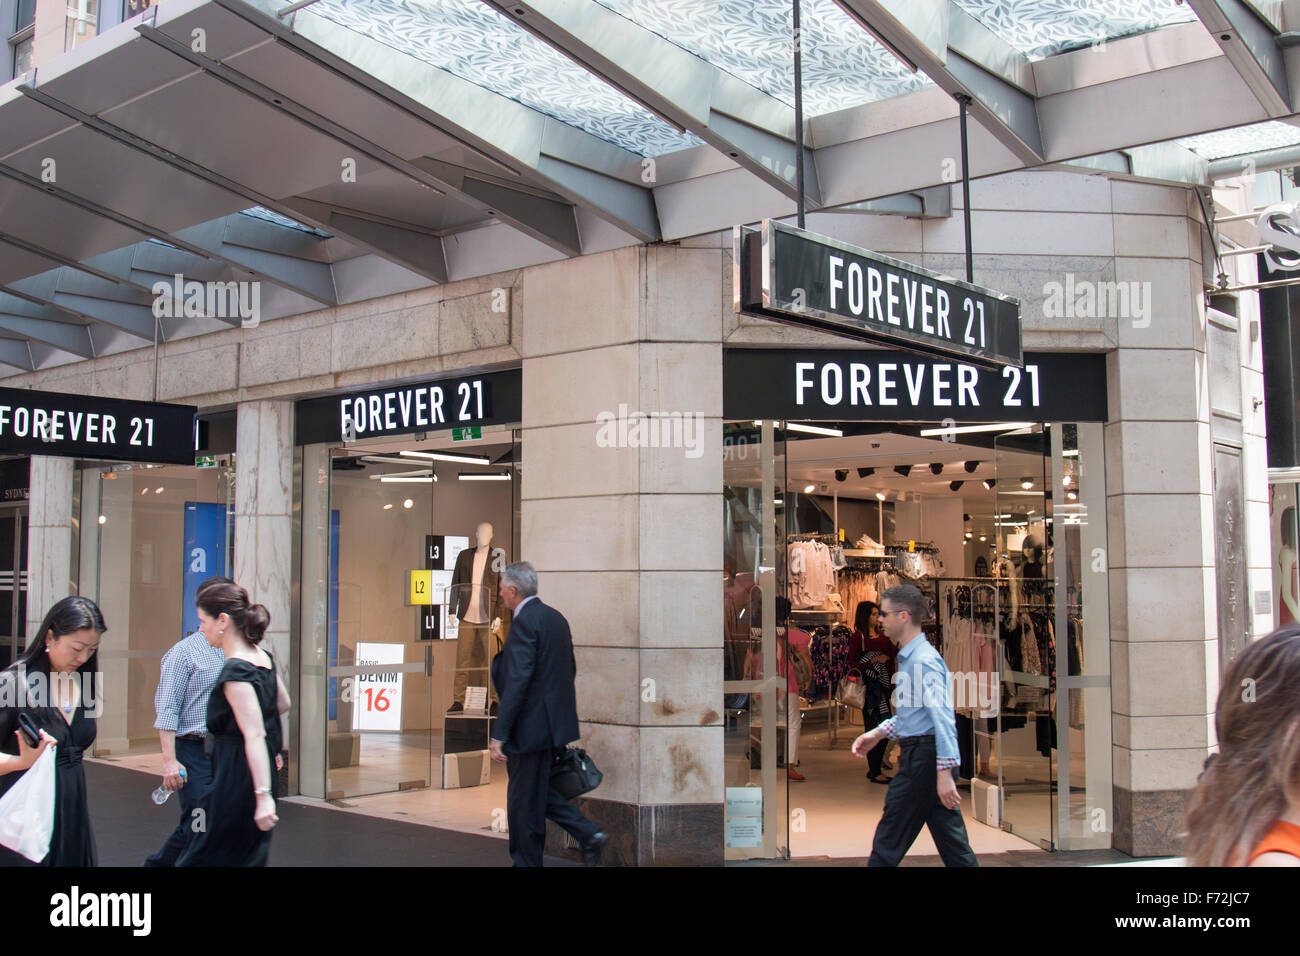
[404, 701]
[991, 523]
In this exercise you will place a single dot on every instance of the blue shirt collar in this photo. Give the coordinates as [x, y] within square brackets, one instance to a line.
[910, 647]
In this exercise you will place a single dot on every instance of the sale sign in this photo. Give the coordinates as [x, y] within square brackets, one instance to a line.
[378, 700]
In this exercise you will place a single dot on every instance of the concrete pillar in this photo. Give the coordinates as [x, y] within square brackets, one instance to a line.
[263, 517]
[628, 540]
[1160, 508]
[50, 536]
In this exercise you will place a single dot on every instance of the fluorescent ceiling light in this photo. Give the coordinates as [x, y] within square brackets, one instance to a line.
[970, 429]
[389, 476]
[400, 480]
[815, 430]
[448, 456]
[389, 460]
[463, 476]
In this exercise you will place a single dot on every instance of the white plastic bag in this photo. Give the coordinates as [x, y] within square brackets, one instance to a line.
[27, 810]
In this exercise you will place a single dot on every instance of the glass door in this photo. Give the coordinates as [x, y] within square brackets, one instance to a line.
[755, 701]
[13, 584]
[1025, 565]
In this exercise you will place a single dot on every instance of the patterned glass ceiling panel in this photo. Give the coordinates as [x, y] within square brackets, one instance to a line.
[476, 43]
[843, 65]
[1243, 141]
[261, 212]
[1041, 28]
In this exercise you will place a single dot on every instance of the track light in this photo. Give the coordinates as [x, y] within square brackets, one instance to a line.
[866, 472]
[841, 474]
[1026, 483]
[903, 470]
[970, 467]
[809, 489]
[936, 468]
[989, 483]
[955, 485]
[965, 517]
[880, 496]
[970, 534]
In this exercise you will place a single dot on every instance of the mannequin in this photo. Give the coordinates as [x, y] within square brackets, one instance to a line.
[1288, 610]
[474, 584]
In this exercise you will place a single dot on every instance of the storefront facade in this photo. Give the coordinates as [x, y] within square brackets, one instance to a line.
[628, 525]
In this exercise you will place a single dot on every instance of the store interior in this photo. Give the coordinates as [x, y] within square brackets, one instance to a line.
[966, 516]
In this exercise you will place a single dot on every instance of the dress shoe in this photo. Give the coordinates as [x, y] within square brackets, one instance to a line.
[880, 779]
[592, 849]
[795, 775]
[456, 708]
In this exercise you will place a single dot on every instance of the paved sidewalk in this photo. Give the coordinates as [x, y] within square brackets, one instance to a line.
[129, 827]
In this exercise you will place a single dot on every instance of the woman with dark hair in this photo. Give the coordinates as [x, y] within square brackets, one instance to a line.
[244, 725]
[1245, 810]
[874, 655]
[56, 683]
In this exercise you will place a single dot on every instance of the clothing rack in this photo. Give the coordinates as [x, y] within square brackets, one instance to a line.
[826, 537]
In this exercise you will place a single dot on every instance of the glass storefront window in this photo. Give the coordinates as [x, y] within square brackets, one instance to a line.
[149, 536]
[1286, 566]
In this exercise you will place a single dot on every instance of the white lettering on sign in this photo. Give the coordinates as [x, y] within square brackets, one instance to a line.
[95, 428]
[921, 382]
[926, 306]
[409, 409]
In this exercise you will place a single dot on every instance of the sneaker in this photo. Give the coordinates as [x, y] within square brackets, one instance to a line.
[592, 849]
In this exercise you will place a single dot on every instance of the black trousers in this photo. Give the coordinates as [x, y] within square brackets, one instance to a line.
[530, 801]
[912, 802]
[198, 781]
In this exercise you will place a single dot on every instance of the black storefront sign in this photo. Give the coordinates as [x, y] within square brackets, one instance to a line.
[15, 479]
[880, 385]
[81, 426]
[798, 277]
[490, 399]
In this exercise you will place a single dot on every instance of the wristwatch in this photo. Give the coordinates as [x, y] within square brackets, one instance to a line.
[260, 790]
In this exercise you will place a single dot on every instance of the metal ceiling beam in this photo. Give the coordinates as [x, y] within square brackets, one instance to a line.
[90, 297]
[580, 167]
[919, 32]
[746, 124]
[61, 335]
[418, 251]
[16, 353]
[411, 170]
[1251, 46]
[258, 248]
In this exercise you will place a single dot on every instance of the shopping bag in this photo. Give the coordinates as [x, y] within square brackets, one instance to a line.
[27, 810]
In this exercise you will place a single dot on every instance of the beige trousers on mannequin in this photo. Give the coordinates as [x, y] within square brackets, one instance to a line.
[472, 660]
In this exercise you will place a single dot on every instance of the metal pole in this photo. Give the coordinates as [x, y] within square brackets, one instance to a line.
[798, 116]
[964, 100]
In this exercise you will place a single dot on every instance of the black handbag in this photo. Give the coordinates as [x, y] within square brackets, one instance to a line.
[574, 773]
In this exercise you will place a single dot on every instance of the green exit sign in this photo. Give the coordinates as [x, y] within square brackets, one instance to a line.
[466, 434]
[205, 461]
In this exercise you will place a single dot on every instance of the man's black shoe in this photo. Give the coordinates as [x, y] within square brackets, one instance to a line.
[592, 849]
[456, 708]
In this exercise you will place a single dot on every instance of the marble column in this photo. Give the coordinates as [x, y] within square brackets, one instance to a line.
[51, 536]
[627, 539]
[263, 518]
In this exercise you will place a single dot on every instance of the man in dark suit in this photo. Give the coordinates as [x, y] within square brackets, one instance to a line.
[534, 676]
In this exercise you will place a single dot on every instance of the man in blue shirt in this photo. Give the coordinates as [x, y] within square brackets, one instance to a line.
[189, 672]
[924, 791]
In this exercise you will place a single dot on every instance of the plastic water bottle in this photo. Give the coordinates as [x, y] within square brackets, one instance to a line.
[161, 794]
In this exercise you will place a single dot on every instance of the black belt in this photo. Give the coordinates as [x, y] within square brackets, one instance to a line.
[913, 741]
[197, 737]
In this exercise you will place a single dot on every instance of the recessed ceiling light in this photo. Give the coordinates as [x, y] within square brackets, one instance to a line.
[1026, 483]
[408, 504]
[102, 519]
[809, 489]
[983, 538]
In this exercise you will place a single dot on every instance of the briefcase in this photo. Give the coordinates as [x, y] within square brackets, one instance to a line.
[574, 773]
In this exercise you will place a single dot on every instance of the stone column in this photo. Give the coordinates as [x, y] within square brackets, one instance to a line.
[263, 517]
[1164, 656]
[51, 536]
[627, 540]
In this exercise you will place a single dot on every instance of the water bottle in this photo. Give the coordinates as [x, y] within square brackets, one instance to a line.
[161, 794]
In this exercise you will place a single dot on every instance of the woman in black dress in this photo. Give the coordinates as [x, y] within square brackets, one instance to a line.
[235, 819]
[61, 694]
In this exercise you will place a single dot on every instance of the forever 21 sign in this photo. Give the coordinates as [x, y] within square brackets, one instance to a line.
[794, 276]
[79, 426]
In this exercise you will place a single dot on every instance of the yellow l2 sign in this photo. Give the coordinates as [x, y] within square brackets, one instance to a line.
[421, 588]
